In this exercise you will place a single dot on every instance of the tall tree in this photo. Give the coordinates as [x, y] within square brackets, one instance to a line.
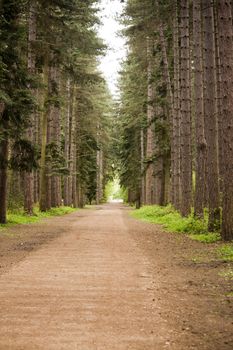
[28, 176]
[150, 116]
[185, 111]
[16, 101]
[176, 120]
[210, 113]
[200, 161]
[226, 66]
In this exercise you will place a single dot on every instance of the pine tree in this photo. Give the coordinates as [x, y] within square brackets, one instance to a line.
[16, 100]
[226, 67]
[210, 113]
[199, 198]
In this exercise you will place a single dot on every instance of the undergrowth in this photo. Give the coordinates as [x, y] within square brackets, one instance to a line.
[19, 217]
[225, 252]
[172, 221]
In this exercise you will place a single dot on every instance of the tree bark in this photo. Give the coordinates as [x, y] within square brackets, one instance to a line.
[185, 111]
[170, 116]
[218, 96]
[74, 151]
[68, 142]
[199, 198]
[142, 192]
[43, 187]
[3, 180]
[210, 113]
[176, 103]
[28, 176]
[149, 139]
[55, 138]
[226, 66]
[98, 177]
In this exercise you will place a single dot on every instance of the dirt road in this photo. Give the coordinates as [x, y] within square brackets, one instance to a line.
[109, 282]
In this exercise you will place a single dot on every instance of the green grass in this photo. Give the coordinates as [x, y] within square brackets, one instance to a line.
[172, 221]
[225, 252]
[210, 237]
[16, 218]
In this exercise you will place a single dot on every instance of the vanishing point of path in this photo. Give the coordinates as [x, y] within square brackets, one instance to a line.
[94, 287]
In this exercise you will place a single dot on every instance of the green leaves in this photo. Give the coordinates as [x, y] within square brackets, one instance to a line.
[24, 156]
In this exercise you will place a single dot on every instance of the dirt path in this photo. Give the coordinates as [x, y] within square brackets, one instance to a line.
[108, 283]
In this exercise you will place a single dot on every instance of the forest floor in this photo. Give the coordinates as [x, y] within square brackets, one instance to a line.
[98, 279]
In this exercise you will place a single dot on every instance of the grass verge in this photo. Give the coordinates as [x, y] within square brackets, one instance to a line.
[17, 218]
[225, 252]
[172, 221]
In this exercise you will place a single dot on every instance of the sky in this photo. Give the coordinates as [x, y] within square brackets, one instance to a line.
[110, 64]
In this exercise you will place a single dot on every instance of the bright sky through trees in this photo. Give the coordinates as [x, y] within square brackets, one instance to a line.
[109, 31]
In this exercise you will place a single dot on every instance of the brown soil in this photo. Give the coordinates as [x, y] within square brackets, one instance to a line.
[100, 280]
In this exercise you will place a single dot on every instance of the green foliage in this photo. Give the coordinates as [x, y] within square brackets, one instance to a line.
[24, 156]
[113, 190]
[225, 252]
[141, 20]
[19, 217]
[210, 237]
[130, 121]
[172, 221]
[94, 106]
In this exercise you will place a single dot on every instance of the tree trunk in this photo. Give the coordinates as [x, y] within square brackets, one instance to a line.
[28, 176]
[219, 97]
[210, 112]
[199, 198]
[43, 187]
[170, 116]
[68, 142]
[185, 110]
[150, 115]
[55, 138]
[176, 103]
[37, 141]
[226, 61]
[3, 180]
[142, 192]
[98, 177]
[74, 151]
[166, 179]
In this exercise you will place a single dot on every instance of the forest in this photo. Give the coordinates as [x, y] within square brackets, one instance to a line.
[168, 134]
[118, 113]
[55, 106]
